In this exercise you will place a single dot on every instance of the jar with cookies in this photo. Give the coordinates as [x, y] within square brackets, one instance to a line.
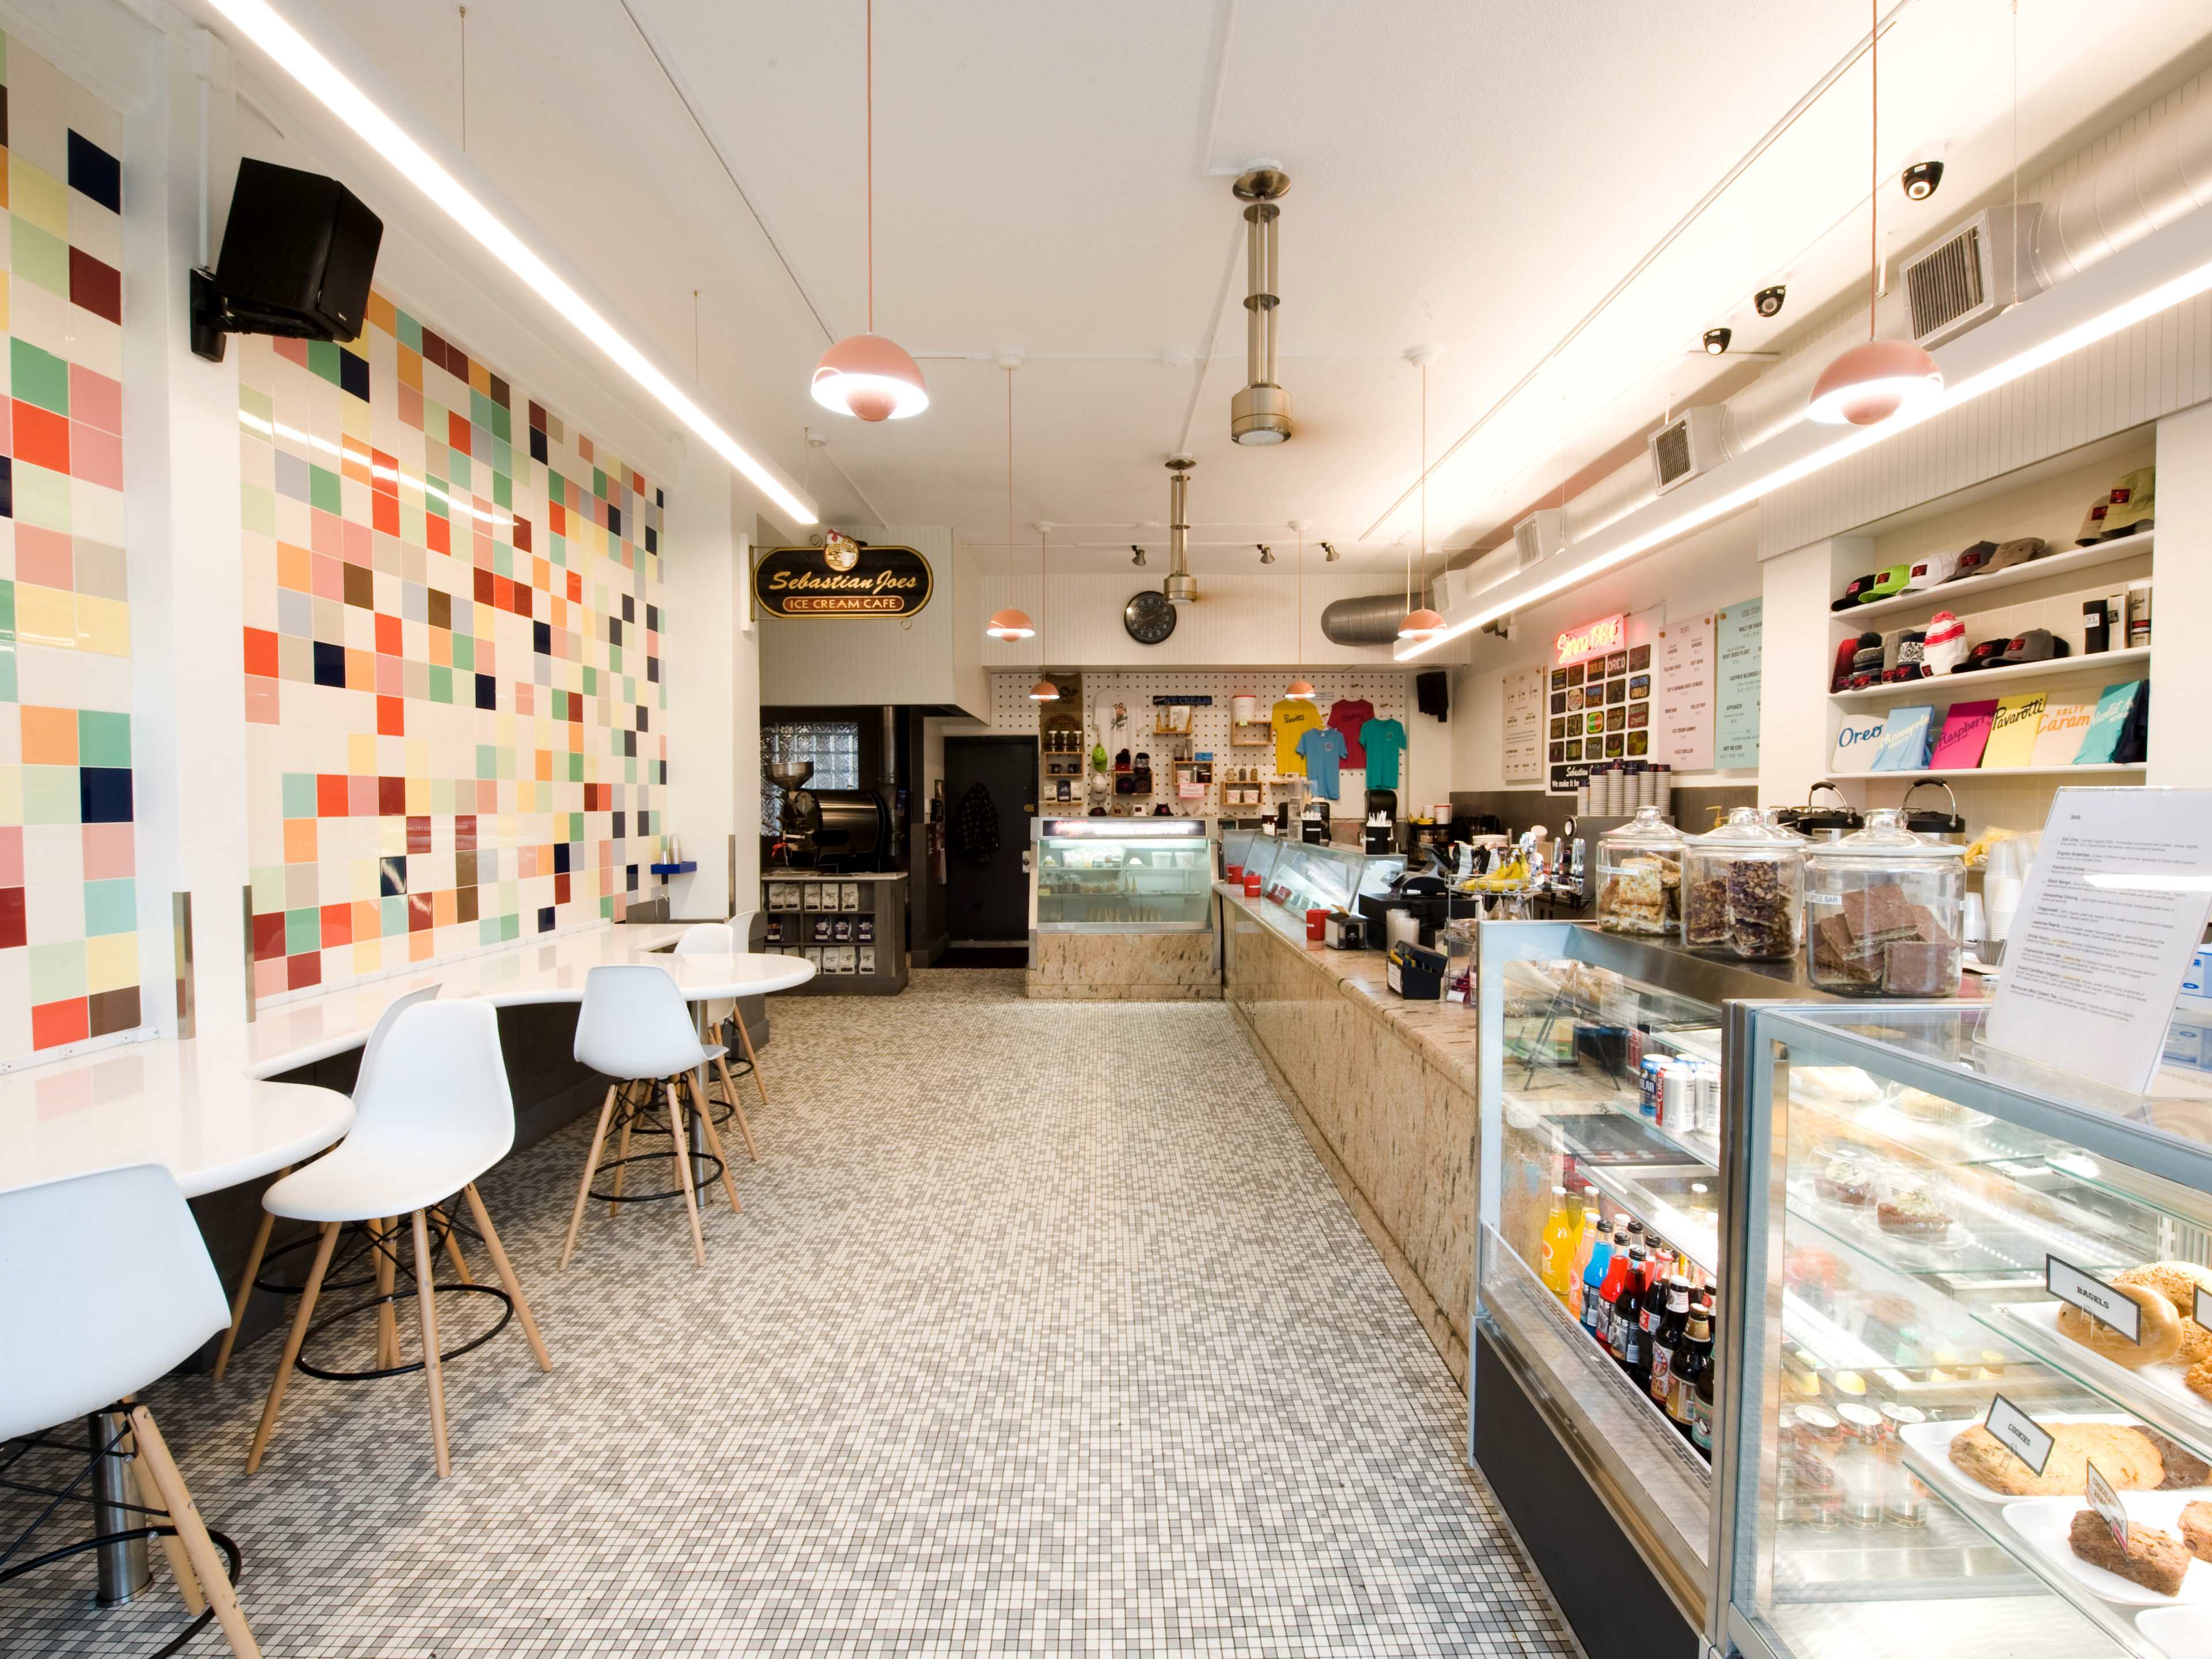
[1639, 876]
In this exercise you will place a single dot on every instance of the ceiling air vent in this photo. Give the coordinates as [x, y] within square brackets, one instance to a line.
[1968, 277]
[1694, 442]
[1541, 535]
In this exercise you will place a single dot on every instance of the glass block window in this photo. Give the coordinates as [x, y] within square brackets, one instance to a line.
[834, 746]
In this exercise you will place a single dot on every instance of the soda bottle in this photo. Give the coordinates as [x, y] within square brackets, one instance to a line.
[1690, 1391]
[1580, 1264]
[1652, 1305]
[1625, 1338]
[1667, 1340]
[1557, 1239]
[1607, 1263]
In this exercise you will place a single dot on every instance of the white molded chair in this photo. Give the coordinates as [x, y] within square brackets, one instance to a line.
[377, 1036]
[722, 938]
[109, 1287]
[634, 1027]
[434, 1115]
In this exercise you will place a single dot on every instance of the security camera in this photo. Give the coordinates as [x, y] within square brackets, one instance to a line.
[1768, 301]
[1716, 340]
[1137, 554]
[1921, 179]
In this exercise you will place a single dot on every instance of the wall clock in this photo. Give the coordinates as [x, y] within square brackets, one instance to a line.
[1149, 618]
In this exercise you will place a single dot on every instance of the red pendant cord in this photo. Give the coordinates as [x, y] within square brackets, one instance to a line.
[1874, 163]
[872, 176]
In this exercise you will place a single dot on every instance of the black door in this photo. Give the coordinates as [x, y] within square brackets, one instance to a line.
[986, 890]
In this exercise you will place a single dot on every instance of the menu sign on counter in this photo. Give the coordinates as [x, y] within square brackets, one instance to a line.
[2111, 915]
[844, 578]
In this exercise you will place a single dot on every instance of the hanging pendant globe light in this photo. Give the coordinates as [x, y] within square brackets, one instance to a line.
[1044, 692]
[1011, 624]
[1876, 378]
[1421, 624]
[1300, 689]
[866, 374]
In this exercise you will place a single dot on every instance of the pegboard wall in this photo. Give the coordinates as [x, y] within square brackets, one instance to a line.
[1390, 689]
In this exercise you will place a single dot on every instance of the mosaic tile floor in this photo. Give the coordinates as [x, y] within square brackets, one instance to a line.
[1042, 1333]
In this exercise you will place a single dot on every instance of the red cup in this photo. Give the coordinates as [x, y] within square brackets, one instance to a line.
[1236, 872]
[1251, 884]
[1317, 924]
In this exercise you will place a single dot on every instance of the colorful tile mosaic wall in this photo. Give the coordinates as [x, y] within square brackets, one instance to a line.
[452, 658]
[68, 941]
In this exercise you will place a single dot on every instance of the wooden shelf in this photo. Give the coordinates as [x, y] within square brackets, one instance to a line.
[1959, 774]
[1946, 596]
[1953, 687]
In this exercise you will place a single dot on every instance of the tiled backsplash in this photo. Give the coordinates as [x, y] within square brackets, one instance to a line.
[454, 693]
[69, 945]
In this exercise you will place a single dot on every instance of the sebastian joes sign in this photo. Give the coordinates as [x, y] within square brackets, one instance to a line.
[842, 579]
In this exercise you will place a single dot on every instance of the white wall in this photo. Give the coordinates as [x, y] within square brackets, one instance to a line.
[2180, 666]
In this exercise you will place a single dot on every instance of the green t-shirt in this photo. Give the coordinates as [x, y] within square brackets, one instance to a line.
[1384, 742]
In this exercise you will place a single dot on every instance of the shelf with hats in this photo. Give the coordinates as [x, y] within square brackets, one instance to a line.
[1951, 595]
[2098, 662]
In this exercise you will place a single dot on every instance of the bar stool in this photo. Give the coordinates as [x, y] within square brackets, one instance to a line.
[433, 1115]
[110, 1287]
[719, 939]
[634, 1029]
[257, 1257]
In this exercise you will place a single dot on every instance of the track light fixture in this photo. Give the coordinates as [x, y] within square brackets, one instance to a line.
[1266, 553]
[1329, 549]
[1716, 341]
[1136, 555]
[1921, 179]
[1768, 301]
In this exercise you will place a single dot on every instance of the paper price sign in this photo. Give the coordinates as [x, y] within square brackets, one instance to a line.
[2092, 1296]
[2106, 1502]
[2019, 1433]
[2203, 1308]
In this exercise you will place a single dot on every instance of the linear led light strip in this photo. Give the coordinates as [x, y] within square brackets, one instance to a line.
[350, 105]
[2187, 286]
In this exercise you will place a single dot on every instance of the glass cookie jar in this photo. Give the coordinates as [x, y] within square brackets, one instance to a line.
[1742, 885]
[1639, 876]
[1882, 912]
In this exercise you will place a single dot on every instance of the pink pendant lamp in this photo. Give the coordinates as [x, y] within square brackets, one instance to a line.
[1421, 624]
[1871, 382]
[1044, 691]
[1010, 624]
[866, 374]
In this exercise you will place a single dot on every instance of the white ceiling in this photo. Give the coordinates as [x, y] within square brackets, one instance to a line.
[1053, 180]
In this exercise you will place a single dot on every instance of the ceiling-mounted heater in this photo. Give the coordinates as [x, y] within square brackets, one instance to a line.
[1181, 587]
[1260, 413]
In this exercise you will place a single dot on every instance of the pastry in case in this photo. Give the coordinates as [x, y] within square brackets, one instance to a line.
[2153, 1559]
[2158, 1334]
[2126, 1457]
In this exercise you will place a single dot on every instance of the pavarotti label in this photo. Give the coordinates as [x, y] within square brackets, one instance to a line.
[2092, 1296]
[2021, 1434]
[842, 581]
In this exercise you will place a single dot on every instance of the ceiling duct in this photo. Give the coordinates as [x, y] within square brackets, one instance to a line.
[1372, 619]
[1260, 413]
[1181, 587]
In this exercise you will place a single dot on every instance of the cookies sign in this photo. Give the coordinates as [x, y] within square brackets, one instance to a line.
[846, 578]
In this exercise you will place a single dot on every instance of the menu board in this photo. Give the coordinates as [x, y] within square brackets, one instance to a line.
[1523, 745]
[1595, 711]
[1735, 703]
[1682, 678]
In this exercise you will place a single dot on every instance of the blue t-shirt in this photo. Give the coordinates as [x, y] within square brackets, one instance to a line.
[1323, 750]
[1384, 742]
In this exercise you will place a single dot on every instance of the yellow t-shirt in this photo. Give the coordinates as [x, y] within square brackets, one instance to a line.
[1292, 718]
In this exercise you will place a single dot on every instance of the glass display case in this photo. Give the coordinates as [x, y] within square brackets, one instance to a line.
[1320, 876]
[1600, 1082]
[1925, 1224]
[1121, 875]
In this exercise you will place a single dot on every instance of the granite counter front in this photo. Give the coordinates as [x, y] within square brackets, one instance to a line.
[1384, 1089]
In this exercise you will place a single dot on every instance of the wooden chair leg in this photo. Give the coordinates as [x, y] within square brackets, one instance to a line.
[245, 1286]
[506, 1274]
[191, 1532]
[714, 1145]
[591, 1165]
[730, 1088]
[426, 1310]
[384, 1238]
[752, 1060]
[452, 1240]
[308, 1292]
[683, 1146]
[622, 1154]
[180, 1561]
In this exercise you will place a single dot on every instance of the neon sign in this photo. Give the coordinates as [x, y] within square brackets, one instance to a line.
[1596, 638]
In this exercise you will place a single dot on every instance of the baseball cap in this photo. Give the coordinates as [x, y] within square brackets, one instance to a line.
[1973, 559]
[1854, 591]
[2133, 503]
[1889, 579]
[2036, 645]
[2019, 551]
[1983, 655]
[1928, 569]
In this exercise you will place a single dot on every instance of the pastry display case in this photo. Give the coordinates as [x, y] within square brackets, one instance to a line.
[1303, 876]
[1967, 1293]
[1598, 1257]
[1121, 875]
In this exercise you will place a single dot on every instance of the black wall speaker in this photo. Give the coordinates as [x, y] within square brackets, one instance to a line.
[298, 253]
[1433, 693]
